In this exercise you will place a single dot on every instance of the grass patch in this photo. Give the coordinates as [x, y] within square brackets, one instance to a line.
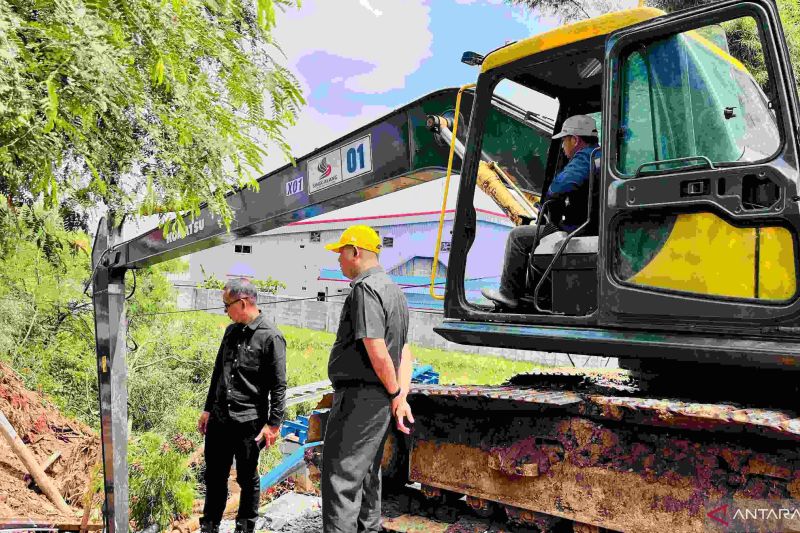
[308, 351]
[470, 369]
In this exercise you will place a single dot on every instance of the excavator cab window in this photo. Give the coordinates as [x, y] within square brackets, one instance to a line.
[689, 101]
[568, 85]
[517, 137]
[701, 171]
[692, 97]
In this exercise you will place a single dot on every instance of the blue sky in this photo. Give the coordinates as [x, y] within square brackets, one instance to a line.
[454, 28]
[357, 60]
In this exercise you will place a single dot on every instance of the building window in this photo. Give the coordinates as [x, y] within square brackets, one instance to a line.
[445, 246]
[243, 249]
[315, 236]
[388, 242]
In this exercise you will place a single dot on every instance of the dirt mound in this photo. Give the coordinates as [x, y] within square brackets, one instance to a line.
[45, 431]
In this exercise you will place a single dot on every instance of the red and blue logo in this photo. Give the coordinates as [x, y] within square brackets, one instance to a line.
[324, 168]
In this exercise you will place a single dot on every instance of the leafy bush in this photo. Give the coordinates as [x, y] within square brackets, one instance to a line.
[268, 285]
[162, 486]
[211, 282]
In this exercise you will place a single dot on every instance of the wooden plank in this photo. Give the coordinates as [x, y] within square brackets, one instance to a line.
[47, 466]
[27, 523]
[407, 523]
[32, 464]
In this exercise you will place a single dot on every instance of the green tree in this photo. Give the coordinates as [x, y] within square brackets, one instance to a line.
[140, 106]
[742, 36]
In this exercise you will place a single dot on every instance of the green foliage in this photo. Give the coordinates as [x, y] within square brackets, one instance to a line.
[463, 368]
[43, 268]
[149, 107]
[180, 424]
[268, 285]
[269, 458]
[745, 44]
[161, 483]
[212, 282]
[171, 367]
[309, 351]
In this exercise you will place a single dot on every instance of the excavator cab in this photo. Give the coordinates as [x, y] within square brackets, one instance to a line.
[691, 230]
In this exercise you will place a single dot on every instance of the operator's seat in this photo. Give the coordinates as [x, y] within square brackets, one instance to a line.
[571, 284]
[563, 266]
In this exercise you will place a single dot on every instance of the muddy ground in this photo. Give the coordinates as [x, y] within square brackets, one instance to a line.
[45, 431]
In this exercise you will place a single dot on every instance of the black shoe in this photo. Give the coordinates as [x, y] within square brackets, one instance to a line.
[208, 527]
[245, 526]
[500, 299]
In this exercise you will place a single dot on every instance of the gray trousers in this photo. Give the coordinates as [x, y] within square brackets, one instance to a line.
[519, 246]
[351, 460]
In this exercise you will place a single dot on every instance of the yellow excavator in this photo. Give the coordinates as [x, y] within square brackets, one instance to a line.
[685, 269]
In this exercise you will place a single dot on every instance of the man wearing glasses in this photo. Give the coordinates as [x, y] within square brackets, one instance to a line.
[244, 407]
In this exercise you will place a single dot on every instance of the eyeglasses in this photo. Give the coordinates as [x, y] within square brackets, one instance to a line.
[228, 304]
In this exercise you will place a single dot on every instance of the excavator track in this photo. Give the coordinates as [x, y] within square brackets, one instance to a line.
[569, 451]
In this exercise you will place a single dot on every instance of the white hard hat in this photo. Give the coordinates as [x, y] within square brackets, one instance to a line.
[582, 125]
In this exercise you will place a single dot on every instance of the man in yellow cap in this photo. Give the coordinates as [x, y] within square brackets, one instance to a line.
[370, 368]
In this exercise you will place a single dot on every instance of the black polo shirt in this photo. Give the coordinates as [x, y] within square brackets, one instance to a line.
[249, 378]
[376, 308]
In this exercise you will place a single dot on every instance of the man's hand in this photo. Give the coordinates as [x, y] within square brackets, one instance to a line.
[269, 434]
[402, 413]
[202, 424]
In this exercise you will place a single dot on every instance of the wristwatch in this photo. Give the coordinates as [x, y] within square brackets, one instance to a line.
[396, 394]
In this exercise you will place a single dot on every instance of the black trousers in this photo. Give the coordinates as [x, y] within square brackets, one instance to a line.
[351, 460]
[519, 246]
[224, 441]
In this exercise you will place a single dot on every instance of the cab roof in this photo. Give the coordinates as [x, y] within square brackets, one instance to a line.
[569, 34]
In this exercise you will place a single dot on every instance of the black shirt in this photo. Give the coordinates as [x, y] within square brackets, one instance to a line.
[376, 308]
[249, 378]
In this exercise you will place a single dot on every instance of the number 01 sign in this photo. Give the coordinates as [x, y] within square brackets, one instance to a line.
[346, 162]
[356, 158]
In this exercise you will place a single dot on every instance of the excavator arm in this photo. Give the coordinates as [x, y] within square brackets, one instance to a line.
[390, 154]
[519, 206]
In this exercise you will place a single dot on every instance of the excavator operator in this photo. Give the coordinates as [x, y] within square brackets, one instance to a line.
[570, 189]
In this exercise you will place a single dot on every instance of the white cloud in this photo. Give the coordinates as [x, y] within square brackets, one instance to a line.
[392, 36]
[366, 5]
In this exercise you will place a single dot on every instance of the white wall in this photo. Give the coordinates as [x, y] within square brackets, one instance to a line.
[294, 260]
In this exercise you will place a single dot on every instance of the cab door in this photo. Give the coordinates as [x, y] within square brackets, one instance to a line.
[699, 216]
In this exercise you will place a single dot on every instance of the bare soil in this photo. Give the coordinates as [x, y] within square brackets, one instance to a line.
[45, 431]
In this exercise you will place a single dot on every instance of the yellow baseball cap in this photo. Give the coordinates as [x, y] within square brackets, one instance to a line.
[359, 236]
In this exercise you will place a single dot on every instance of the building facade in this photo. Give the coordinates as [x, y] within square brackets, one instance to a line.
[407, 222]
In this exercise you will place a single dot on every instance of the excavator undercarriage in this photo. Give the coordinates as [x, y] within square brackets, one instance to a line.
[593, 451]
